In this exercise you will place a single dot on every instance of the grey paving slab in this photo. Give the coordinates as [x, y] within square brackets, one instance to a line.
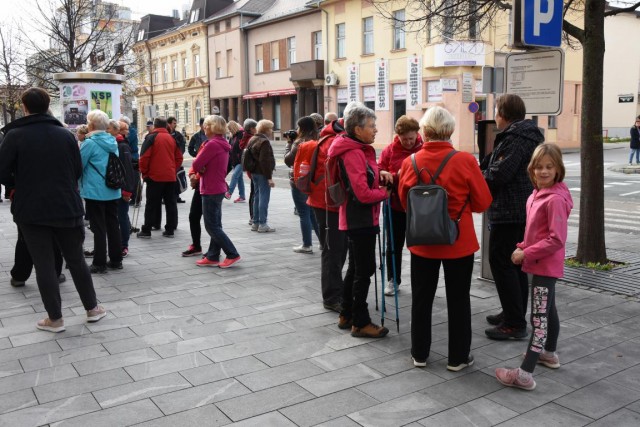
[50, 412]
[95, 338]
[462, 389]
[36, 378]
[328, 407]
[234, 351]
[622, 418]
[264, 401]
[189, 346]
[183, 311]
[272, 377]
[394, 386]
[91, 366]
[166, 366]
[166, 325]
[477, 413]
[550, 414]
[547, 390]
[222, 370]
[348, 357]
[599, 399]
[200, 330]
[128, 308]
[139, 390]
[10, 368]
[202, 395]
[339, 422]
[145, 341]
[293, 353]
[220, 315]
[400, 411]
[121, 322]
[629, 378]
[17, 353]
[339, 379]
[74, 386]
[63, 357]
[271, 419]
[17, 400]
[208, 415]
[123, 415]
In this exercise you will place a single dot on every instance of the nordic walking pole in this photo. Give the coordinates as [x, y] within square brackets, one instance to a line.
[393, 266]
[383, 257]
[375, 276]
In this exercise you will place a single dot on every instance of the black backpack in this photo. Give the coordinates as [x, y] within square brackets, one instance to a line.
[115, 176]
[428, 220]
[249, 163]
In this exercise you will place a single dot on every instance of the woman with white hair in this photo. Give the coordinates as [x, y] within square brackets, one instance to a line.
[101, 201]
[467, 192]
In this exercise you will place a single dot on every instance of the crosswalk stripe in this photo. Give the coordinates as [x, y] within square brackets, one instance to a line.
[620, 183]
[609, 225]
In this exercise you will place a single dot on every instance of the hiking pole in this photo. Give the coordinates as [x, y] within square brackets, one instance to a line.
[375, 276]
[383, 257]
[393, 264]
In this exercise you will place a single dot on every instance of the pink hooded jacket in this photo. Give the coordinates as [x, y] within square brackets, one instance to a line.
[545, 236]
[213, 157]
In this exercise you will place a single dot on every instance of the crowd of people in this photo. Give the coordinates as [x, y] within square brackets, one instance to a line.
[519, 184]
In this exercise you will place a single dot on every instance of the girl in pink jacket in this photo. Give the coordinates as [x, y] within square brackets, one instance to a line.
[542, 254]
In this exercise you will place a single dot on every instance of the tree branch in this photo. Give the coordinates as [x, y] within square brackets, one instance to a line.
[616, 11]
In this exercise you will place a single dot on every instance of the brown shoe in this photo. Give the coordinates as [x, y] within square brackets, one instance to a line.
[370, 331]
[344, 323]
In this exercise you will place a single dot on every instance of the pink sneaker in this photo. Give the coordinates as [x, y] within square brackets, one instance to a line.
[206, 262]
[228, 262]
[511, 378]
[239, 200]
[227, 195]
[51, 325]
[550, 360]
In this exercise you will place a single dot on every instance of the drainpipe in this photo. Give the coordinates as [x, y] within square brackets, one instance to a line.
[146, 44]
[246, 64]
[207, 92]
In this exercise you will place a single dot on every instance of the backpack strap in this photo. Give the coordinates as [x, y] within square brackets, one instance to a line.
[415, 168]
[314, 159]
[442, 165]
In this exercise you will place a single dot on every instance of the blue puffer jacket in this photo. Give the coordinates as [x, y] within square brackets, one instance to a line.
[95, 155]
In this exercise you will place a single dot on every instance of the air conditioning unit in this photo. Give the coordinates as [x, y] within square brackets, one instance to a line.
[331, 79]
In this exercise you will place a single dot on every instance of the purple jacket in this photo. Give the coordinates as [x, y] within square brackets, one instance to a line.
[211, 164]
[548, 210]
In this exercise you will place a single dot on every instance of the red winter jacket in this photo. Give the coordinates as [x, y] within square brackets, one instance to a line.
[364, 194]
[317, 197]
[160, 157]
[462, 179]
[391, 161]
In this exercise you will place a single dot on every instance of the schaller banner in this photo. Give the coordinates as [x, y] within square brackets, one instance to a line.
[382, 85]
[414, 83]
[353, 82]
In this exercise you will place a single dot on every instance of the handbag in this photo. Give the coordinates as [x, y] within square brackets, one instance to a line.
[183, 182]
[428, 220]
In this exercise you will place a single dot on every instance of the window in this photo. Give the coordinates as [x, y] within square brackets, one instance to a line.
[447, 31]
[196, 65]
[176, 111]
[367, 35]
[174, 66]
[185, 68]
[317, 44]
[157, 110]
[259, 59]
[398, 30]
[216, 27]
[474, 24]
[340, 41]
[291, 50]
[275, 56]
[218, 65]
[277, 115]
[165, 72]
[155, 74]
[227, 24]
[166, 111]
[186, 112]
[553, 122]
[229, 62]
[198, 110]
[141, 35]
[195, 14]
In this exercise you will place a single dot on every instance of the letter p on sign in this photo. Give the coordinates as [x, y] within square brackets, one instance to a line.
[541, 17]
[542, 23]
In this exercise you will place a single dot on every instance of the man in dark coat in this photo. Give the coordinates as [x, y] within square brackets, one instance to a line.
[41, 160]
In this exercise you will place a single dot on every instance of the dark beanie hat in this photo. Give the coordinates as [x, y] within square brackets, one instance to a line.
[201, 121]
[306, 124]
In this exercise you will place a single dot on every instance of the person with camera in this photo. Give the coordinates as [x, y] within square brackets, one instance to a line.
[467, 193]
[307, 131]
[359, 216]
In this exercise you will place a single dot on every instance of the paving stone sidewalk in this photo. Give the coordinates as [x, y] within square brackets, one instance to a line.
[252, 346]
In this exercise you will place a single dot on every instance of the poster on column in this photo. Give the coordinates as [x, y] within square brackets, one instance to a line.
[382, 85]
[353, 82]
[414, 83]
[101, 100]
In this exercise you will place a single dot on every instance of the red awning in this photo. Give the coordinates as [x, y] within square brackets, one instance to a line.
[255, 95]
[266, 93]
[282, 92]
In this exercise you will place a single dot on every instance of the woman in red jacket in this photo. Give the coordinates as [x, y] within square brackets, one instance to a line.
[467, 192]
[406, 142]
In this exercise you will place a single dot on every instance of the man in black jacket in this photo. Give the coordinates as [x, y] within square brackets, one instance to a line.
[505, 171]
[41, 160]
[171, 127]
[196, 140]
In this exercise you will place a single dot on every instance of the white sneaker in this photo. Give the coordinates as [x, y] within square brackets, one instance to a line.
[389, 290]
[264, 228]
[303, 249]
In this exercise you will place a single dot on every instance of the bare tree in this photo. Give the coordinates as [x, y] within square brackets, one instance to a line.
[84, 35]
[468, 19]
[11, 73]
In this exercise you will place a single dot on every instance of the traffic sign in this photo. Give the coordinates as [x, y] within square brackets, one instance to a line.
[542, 23]
[473, 107]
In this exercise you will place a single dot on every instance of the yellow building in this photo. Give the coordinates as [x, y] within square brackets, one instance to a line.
[397, 70]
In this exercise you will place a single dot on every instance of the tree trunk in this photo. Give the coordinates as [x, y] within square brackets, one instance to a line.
[591, 237]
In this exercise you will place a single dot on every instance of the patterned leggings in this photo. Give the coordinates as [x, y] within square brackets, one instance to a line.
[544, 320]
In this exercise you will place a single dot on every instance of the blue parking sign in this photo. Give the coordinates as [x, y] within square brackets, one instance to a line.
[542, 23]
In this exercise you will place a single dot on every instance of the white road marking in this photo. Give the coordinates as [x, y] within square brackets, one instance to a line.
[620, 183]
[628, 194]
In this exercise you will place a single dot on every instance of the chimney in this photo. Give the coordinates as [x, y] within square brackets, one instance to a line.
[176, 14]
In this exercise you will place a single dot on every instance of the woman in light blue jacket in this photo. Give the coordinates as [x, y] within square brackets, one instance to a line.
[101, 201]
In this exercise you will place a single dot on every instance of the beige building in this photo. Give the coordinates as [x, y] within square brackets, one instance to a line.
[177, 79]
[397, 71]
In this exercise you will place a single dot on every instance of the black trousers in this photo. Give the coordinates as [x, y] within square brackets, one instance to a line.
[362, 265]
[425, 273]
[544, 320]
[195, 215]
[156, 193]
[105, 226]
[251, 194]
[334, 254]
[23, 263]
[42, 241]
[394, 249]
[511, 282]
